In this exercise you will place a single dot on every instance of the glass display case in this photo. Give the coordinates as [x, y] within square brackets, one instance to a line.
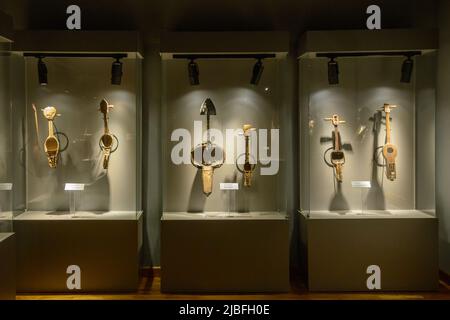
[226, 82]
[7, 201]
[367, 161]
[6, 145]
[82, 122]
[223, 158]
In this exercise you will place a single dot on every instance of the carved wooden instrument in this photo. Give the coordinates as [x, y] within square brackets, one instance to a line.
[107, 139]
[389, 150]
[203, 156]
[248, 167]
[51, 144]
[337, 154]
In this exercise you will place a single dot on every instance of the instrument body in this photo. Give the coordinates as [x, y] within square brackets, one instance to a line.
[248, 167]
[107, 139]
[337, 154]
[390, 151]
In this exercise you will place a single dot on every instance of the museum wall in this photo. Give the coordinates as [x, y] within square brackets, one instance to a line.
[150, 17]
[78, 104]
[442, 134]
[151, 148]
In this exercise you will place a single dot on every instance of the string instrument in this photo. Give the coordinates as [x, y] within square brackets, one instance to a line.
[51, 144]
[107, 139]
[389, 150]
[248, 167]
[337, 154]
[204, 155]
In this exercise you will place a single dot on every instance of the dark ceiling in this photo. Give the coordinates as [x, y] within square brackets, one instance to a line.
[216, 15]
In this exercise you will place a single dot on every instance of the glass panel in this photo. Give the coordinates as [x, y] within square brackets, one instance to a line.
[226, 82]
[6, 172]
[366, 84]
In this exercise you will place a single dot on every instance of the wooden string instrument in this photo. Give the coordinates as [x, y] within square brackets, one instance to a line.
[389, 150]
[51, 144]
[337, 154]
[107, 139]
[203, 156]
[248, 167]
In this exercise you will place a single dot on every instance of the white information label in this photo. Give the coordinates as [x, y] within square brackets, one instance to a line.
[229, 186]
[361, 184]
[6, 186]
[74, 187]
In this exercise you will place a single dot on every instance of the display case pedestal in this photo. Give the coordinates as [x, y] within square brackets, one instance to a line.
[104, 245]
[224, 253]
[7, 266]
[338, 248]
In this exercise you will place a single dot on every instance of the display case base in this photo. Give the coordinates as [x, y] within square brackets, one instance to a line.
[7, 266]
[338, 250]
[104, 245]
[224, 253]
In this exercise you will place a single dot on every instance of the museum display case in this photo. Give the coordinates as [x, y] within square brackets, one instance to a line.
[7, 200]
[81, 227]
[367, 160]
[223, 162]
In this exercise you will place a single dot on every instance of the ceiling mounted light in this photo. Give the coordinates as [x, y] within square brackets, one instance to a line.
[194, 73]
[42, 72]
[407, 69]
[116, 72]
[333, 72]
[258, 69]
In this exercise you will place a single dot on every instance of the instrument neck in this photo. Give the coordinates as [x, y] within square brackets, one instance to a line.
[337, 144]
[105, 121]
[51, 128]
[208, 135]
[388, 127]
[247, 149]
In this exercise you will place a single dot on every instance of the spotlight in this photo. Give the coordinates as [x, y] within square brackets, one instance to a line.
[194, 73]
[333, 72]
[407, 68]
[258, 69]
[116, 72]
[42, 72]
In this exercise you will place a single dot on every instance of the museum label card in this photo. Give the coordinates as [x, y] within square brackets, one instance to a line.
[361, 184]
[229, 186]
[6, 186]
[74, 187]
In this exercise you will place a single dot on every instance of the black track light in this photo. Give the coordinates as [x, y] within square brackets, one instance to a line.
[258, 69]
[407, 69]
[194, 73]
[333, 72]
[116, 72]
[42, 72]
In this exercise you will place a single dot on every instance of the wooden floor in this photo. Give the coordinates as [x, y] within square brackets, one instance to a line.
[149, 289]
